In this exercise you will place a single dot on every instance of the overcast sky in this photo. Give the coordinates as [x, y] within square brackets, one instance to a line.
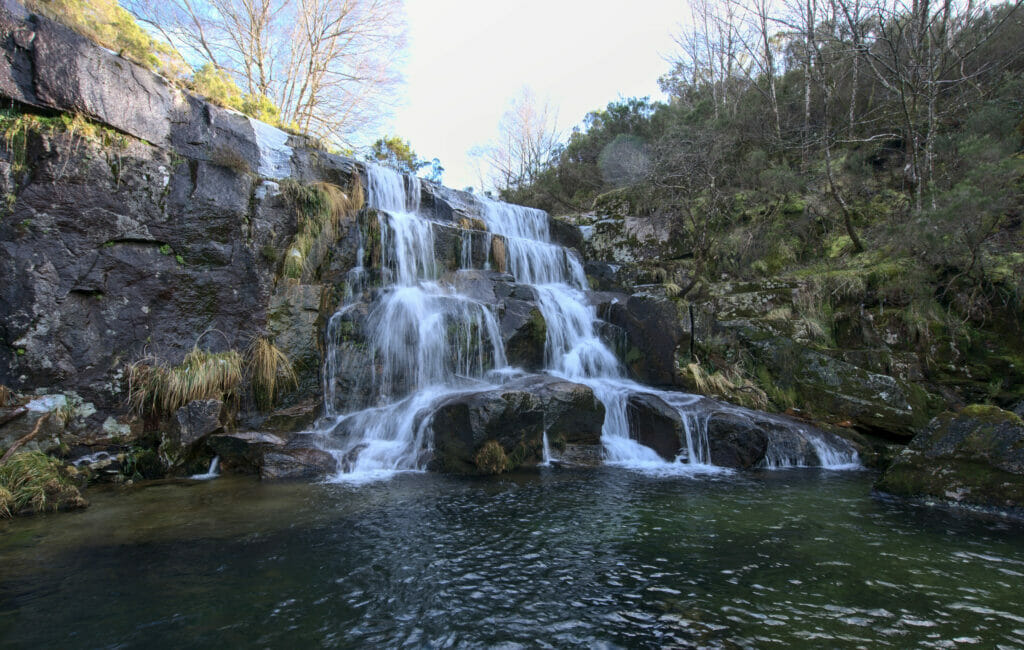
[467, 58]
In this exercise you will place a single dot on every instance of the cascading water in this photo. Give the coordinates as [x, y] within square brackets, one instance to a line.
[427, 341]
[573, 349]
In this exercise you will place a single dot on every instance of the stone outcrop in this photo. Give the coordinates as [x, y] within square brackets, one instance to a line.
[973, 457]
[735, 437]
[516, 416]
[272, 457]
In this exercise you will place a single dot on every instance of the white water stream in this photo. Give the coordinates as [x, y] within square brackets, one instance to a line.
[428, 341]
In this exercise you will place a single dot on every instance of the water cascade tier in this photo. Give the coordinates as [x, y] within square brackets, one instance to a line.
[468, 341]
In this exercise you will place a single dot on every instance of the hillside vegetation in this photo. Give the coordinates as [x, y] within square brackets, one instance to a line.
[871, 151]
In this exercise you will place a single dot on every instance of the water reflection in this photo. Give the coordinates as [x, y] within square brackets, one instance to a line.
[560, 557]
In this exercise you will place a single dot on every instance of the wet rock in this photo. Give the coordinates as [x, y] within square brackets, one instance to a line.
[243, 452]
[476, 285]
[655, 424]
[299, 459]
[516, 417]
[524, 346]
[973, 457]
[736, 441]
[654, 333]
[566, 234]
[294, 325]
[454, 246]
[523, 328]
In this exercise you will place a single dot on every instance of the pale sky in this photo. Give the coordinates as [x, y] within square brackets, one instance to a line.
[467, 59]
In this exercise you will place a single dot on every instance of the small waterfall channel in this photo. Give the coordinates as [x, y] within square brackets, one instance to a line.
[427, 341]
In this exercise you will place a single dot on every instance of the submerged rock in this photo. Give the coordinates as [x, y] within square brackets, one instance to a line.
[973, 457]
[516, 416]
[731, 436]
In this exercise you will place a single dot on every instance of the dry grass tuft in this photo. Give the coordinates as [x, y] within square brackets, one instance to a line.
[492, 459]
[6, 395]
[269, 369]
[731, 385]
[715, 383]
[33, 481]
[320, 209]
[153, 387]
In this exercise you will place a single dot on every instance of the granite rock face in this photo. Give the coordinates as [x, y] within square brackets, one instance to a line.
[975, 457]
[515, 417]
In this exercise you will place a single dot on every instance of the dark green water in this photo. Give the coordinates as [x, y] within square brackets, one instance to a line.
[597, 558]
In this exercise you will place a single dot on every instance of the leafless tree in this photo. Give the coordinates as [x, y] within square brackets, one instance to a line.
[329, 65]
[919, 53]
[528, 137]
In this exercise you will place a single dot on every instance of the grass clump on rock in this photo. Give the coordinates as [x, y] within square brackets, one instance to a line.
[319, 207]
[155, 387]
[269, 369]
[34, 482]
[491, 458]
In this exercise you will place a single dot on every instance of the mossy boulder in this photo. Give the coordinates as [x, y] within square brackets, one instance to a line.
[831, 389]
[654, 329]
[973, 457]
[469, 429]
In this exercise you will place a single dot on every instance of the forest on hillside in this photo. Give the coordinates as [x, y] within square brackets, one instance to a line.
[875, 142]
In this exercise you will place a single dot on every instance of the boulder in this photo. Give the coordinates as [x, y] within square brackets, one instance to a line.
[299, 459]
[631, 240]
[516, 417]
[294, 418]
[179, 443]
[655, 424]
[654, 333]
[243, 452]
[197, 419]
[973, 457]
[736, 441]
[51, 431]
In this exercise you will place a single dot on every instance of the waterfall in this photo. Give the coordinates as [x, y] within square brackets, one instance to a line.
[426, 341]
[211, 472]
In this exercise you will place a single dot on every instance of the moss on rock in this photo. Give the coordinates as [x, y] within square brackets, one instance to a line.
[972, 457]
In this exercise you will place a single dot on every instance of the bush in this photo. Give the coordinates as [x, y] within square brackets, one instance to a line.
[107, 23]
